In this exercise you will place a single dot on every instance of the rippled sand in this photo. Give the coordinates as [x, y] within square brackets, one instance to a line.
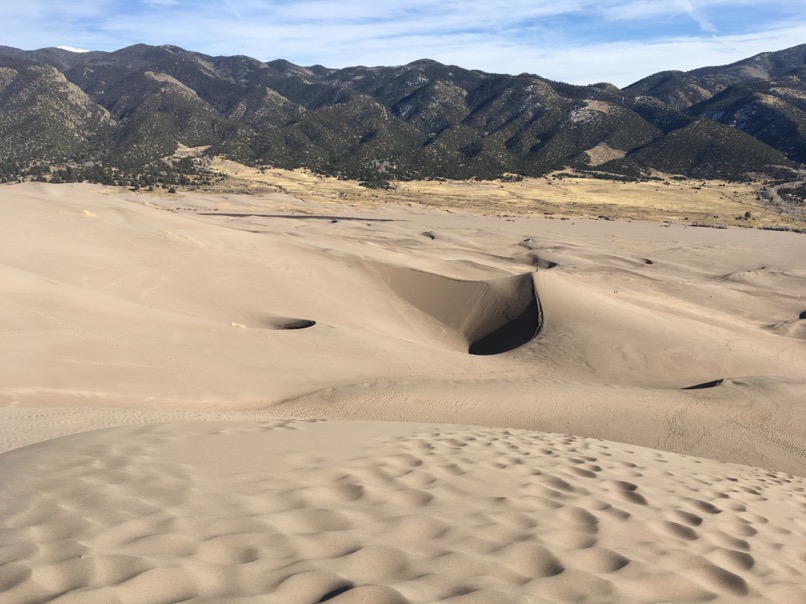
[387, 512]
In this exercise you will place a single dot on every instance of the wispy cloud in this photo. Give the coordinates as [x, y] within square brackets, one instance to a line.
[230, 5]
[72, 49]
[576, 40]
[697, 15]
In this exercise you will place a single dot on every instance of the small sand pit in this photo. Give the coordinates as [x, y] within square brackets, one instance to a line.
[276, 324]
[292, 324]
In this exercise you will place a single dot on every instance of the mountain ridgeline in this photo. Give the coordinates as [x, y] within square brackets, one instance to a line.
[132, 108]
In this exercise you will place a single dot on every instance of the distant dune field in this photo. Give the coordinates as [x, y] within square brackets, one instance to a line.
[516, 409]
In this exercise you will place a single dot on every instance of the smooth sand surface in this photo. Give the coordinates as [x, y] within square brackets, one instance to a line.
[241, 317]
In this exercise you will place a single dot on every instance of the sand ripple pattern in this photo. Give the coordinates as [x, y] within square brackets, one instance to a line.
[267, 512]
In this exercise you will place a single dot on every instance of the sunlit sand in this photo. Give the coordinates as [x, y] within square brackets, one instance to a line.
[281, 398]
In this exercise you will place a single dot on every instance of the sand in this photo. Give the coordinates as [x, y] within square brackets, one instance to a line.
[389, 512]
[573, 410]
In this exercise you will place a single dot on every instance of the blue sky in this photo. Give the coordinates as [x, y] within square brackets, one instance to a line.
[578, 41]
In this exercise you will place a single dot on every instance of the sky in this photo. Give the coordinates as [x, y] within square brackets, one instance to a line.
[576, 41]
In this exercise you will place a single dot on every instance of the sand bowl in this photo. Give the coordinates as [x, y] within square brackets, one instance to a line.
[491, 316]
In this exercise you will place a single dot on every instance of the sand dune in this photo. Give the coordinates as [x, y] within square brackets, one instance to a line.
[389, 512]
[236, 318]
[795, 328]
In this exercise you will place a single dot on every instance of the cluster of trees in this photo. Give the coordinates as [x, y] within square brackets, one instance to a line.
[10, 171]
[795, 194]
[163, 174]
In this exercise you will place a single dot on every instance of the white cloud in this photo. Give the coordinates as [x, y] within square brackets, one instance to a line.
[580, 41]
[640, 10]
[697, 15]
[587, 65]
[72, 49]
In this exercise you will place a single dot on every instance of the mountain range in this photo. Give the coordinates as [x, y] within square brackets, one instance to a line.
[132, 108]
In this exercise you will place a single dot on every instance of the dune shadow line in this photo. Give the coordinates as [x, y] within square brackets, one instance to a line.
[711, 384]
[515, 332]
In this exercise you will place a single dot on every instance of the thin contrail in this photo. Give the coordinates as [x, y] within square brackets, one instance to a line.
[234, 10]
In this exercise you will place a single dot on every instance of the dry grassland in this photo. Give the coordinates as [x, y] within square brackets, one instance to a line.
[679, 201]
